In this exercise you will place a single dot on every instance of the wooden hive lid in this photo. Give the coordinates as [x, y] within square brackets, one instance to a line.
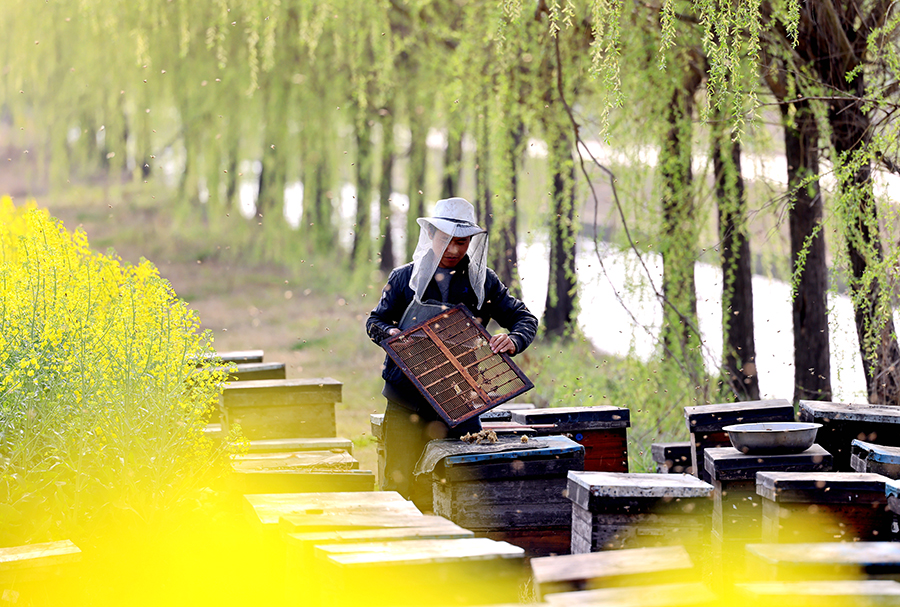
[849, 488]
[589, 486]
[713, 417]
[883, 454]
[586, 418]
[884, 414]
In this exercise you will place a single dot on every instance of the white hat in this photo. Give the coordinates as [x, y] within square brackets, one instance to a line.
[454, 216]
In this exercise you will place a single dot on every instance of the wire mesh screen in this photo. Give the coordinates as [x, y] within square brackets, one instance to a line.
[449, 360]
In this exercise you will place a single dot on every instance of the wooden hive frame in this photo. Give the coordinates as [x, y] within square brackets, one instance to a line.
[448, 359]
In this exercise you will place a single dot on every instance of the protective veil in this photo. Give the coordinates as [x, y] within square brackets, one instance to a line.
[454, 218]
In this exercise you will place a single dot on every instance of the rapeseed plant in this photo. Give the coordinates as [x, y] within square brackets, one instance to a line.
[106, 385]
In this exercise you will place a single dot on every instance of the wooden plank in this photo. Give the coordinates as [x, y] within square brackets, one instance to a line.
[408, 552]
[727, 463]
[861, 412]
[265, 510]
[294, 523]
[567, 419]
[849, 593]
[336, 459]
[433, 527]
[34, 556]
[630, 566]
[300, 481]
[273, 445]
[688, 594]
[508, 427]
[237, 356]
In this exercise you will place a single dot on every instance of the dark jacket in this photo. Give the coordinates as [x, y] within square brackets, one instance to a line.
[509, 312]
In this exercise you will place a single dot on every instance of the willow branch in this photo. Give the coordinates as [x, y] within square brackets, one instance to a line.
[631, 243]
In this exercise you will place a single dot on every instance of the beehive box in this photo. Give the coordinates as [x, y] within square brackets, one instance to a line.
[844, 422]
[737, 509]
[672, 458]
[602, 430]
[823, 560]
[286, 408]
[823, 506]
[705, 423]
[613, 510]
[877, 459]
[513, 490]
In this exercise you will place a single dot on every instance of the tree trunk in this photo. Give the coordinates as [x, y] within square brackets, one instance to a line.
[874, 323]
[739, 345]
[452, 158]
[483, 203]
[843, 36]
[680, 333]
[559, 313]
[362, 238]
[272, 175]
[812, 349]
[418, 152]
[506, 215]
[385, 189]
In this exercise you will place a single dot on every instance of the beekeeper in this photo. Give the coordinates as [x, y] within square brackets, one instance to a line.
[449, 267]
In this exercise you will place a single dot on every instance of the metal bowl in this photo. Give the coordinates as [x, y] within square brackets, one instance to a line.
[772, 437]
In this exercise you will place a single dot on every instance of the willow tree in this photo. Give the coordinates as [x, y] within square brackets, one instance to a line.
[787, 70]
[557, 124]
[850, 35]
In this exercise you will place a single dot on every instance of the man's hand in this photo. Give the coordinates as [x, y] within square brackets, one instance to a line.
[502, 343]
[393, 331]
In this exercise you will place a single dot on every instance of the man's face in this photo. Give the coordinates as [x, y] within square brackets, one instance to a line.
[456, 250]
